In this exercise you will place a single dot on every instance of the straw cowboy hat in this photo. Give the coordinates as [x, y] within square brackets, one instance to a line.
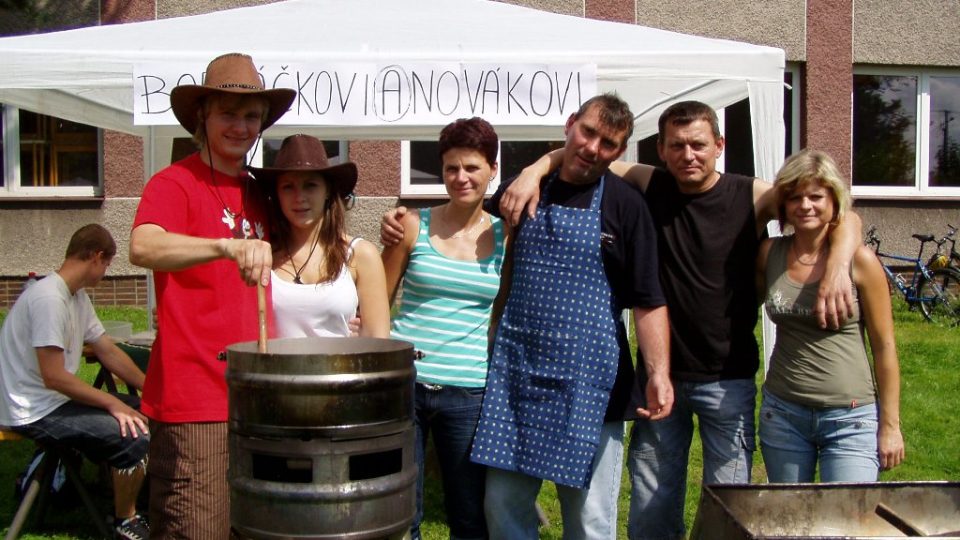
[232, 73]
[306, 153]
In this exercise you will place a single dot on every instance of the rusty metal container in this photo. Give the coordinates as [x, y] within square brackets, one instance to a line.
[879, 510]
[321, 438]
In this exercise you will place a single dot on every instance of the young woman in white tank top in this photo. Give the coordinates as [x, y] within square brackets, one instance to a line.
[320, 274]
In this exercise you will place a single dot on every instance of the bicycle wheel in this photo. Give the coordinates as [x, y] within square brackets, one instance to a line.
[939, 297]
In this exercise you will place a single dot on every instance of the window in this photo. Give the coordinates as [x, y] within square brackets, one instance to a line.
[48, 156]
[944, 147]
[791, 109]
[906, 132]
[421, 165]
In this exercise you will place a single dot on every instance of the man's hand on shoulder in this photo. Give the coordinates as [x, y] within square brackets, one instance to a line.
[834, 297]
[764, 203]
[521, 195]
[391, 230]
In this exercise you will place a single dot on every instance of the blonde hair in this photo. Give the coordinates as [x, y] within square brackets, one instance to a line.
[811, 167]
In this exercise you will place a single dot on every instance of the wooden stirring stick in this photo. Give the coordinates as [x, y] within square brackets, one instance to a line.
[262, 317]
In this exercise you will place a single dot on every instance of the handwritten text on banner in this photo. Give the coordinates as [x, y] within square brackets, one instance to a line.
[368, 94]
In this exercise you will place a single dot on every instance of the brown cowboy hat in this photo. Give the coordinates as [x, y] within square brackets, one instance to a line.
[306, 153]
[232, 73]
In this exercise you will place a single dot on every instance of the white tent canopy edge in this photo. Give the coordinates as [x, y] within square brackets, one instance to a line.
[86, 75]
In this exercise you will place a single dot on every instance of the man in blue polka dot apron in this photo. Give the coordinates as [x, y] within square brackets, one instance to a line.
[560, 376]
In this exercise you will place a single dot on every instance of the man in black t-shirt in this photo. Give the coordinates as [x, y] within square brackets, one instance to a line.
[709, 226]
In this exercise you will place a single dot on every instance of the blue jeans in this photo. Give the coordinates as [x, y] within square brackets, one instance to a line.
[92, 431]
[451, 413]
[793, 438]
[659, 452]
[587, 513]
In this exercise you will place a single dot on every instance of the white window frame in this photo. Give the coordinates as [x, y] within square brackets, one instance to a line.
[431, 191]
[12, 187]
[921, 187]
[795, 99]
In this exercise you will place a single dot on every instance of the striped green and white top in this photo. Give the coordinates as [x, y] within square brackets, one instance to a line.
[445, 309]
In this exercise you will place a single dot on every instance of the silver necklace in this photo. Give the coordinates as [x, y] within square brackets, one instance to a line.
[467, 231]
[793, 247]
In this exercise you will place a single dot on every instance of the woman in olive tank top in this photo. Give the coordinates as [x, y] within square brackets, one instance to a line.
[823, 404]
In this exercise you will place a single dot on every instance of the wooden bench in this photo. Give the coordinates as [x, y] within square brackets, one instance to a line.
[41, 482]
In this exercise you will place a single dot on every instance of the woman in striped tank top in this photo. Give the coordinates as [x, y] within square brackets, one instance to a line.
[450, 262]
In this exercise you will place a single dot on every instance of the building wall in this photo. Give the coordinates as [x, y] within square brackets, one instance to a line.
[183, 8]
[564, 7]
[47, 15]
[896, 222]
[919, 32]
[777, 23]
[827, 115]
[35, 234]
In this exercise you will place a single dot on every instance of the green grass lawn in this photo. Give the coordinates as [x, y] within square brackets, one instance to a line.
[930, 365]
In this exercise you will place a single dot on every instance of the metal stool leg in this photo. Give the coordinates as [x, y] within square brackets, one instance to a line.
[42, 479]
[40, 486]
[98, 519]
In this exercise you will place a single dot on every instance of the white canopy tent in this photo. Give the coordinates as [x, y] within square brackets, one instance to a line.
[87, 75]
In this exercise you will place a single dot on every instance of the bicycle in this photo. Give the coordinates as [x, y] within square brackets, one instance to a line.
[935, 292]
[940, 259]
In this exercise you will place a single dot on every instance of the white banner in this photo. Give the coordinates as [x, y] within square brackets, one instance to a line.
[369, 94]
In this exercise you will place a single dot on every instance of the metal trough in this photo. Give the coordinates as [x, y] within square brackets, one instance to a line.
[803, 511]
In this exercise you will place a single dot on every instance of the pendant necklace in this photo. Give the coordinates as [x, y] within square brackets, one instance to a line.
[228, 214]
[297, 271]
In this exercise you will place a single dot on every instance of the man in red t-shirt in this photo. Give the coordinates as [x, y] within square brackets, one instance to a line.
[200, 227]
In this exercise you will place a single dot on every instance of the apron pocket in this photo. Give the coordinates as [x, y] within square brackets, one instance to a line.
[586, 415]
[544, 376]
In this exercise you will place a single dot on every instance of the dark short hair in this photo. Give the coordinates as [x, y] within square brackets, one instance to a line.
[475, 133]
[685, 113]
[89, 240]
[614, 112]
